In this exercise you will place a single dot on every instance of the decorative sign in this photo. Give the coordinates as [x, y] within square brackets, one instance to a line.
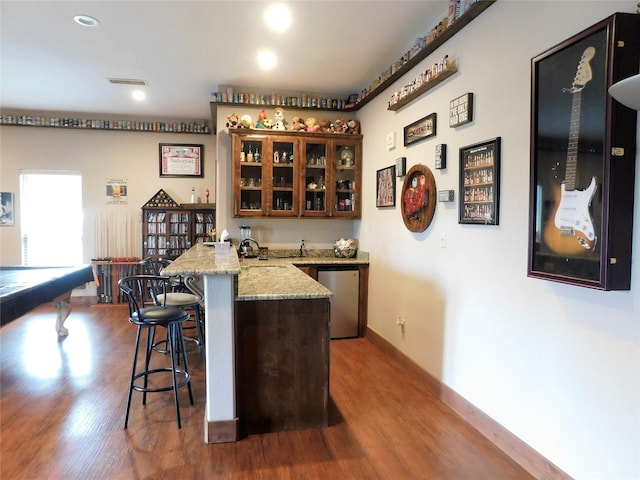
[401, 166]
[181, 160]
[420, 130]
[441, 156]
[116, 190]
[461, 110]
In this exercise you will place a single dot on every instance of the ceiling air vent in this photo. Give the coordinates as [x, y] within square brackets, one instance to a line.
[128, 81]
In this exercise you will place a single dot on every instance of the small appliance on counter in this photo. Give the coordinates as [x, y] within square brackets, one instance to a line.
[248, 246]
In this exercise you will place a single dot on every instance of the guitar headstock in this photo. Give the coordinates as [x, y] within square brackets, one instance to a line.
[583, 74]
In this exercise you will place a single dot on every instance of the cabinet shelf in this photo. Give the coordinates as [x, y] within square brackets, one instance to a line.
[423, 89]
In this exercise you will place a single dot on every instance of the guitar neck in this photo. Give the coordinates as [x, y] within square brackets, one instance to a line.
[572, 149]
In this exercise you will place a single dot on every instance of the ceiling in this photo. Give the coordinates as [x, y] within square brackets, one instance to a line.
[185, 49]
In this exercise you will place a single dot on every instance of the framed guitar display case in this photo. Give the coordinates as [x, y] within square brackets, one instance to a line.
[583, 154]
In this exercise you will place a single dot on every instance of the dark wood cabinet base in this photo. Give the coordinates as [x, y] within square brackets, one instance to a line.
[282, 365]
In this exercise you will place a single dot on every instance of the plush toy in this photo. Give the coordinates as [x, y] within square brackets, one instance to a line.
[312, 125]
[232, 120]
[324, 126]
[353, 127]
[280, 122]
[338, 126]
[298, 124]
[262, 120]
[245, 121]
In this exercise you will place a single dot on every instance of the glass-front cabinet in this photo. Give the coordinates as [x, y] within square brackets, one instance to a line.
[294, 174]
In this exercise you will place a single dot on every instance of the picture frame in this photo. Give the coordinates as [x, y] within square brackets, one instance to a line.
[582, 158]
[7, 208]
[386, 187]
[441, 156]
[480, 183]
[401, 166]
[420, 130]
[461, 110]
[181, 160]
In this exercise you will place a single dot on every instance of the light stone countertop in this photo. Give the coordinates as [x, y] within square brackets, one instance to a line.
[277, 278]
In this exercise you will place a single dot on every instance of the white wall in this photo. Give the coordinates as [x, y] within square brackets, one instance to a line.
[556, 365]
[98, 155]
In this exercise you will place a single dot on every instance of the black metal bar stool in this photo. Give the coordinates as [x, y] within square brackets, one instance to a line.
[179, 295]
[147, 314]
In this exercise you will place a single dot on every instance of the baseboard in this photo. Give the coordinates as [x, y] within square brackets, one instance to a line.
[516, 449]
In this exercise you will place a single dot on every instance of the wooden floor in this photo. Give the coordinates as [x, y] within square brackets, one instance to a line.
[63, 402]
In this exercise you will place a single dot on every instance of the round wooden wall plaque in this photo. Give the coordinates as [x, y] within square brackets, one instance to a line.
[418, 198]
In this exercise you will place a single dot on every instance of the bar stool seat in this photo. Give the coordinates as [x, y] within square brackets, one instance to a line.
[178, 296]
[138, 290]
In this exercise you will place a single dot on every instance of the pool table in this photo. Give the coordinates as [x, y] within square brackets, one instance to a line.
[22, 288]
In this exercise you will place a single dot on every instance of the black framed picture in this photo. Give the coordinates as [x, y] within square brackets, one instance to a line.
[582, 158]
[181, 160]
[386, 187]
[420, 130]
[480, 183]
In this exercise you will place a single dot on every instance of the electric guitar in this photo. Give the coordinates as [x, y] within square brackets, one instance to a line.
[571, 231]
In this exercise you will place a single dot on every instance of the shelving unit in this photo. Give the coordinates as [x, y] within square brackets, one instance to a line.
[169, 229]
[198, 127]
[461, 22]
[422, 89]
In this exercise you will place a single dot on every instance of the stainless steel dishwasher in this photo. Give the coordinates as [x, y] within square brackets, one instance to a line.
[344, 284]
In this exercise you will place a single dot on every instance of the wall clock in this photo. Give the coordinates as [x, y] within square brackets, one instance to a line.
[418, 198]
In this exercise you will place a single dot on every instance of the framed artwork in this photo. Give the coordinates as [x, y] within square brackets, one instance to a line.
[480, 183]
[583, 147]
[386, 187]
[461, 110]
[6, 208]
[420, 130]
[181, 160]
[401, 166]
[418, 198]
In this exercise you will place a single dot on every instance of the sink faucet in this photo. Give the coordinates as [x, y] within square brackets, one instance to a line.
[303, 250]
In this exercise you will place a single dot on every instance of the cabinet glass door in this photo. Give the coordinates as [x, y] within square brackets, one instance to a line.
[284, 178]
[315, 179]
[251, 176]
[155, 240]
[346, 158]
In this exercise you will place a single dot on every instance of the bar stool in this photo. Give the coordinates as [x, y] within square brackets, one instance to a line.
[147, 314]
[179, 295]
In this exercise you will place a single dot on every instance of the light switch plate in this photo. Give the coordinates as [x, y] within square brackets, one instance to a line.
[391, 140]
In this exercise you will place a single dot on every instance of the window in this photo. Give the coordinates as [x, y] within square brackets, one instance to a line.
[51, 217]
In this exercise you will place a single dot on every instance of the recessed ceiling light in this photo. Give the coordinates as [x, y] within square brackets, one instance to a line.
[138, 95]
[86, 21]
[267, 60]
[278, 17]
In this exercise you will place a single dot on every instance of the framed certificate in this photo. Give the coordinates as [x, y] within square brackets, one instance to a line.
[181, 160]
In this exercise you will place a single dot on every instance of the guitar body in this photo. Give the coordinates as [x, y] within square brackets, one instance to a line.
[571, 231]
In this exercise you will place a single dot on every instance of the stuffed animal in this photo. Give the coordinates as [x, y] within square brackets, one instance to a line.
[298, 124]
[233, 120]
[312, 125]
[353, 127]
[338, 126]
[324, 126]
[280, 122]
[245, 121]
[262, 120]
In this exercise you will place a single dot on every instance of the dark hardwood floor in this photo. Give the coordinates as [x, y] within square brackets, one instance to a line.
[63, 401]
